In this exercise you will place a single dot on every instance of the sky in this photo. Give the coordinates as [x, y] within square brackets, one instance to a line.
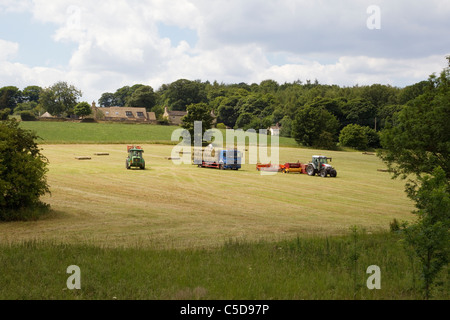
[101, 46]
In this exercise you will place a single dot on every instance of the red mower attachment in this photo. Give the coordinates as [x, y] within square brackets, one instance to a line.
[269, 167]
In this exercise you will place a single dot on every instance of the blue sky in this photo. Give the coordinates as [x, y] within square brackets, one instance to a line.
[37, 48]
[100, 46]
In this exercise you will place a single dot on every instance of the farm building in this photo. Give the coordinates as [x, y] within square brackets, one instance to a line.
[275, 130]
[175, 117]
[123, 114]
[46, 116]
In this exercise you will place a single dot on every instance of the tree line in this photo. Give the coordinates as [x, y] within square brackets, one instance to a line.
[314, 114]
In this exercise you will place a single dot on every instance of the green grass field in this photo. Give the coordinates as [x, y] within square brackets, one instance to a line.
[109, 133]
[169, 206]
[298, 269]
[183, 232]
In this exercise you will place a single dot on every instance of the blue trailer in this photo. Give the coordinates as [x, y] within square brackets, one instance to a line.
[223, 160]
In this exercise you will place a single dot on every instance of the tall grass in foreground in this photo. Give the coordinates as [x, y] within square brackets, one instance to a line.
[318, 268]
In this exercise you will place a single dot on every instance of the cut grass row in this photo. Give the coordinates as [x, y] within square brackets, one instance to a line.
[169, 206]
[312, 269]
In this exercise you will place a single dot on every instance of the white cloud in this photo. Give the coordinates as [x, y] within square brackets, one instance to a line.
[14, 5]
[118, 42]
[360, 70]
[8, 49]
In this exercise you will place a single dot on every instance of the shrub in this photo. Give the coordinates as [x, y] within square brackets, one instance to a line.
[312, 126]
[27, 116]
[325, 141]
[163, 121]
[373, 138]
[82, 109]
[4, 114]
[22, 172]
[286, 127]
[88, 120]
[394, 226]
[353, 136]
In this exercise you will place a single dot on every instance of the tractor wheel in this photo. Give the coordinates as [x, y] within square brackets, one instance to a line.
[126, 165]
[323, 173]
[333, 173]
[310, 170]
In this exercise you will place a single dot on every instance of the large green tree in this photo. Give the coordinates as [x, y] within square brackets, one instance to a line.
[417, 147]
[380, 95]
[260, 105]
[359, 111]
[197, 112]
[286, 127]
[268, 86]
[31, 94]
[411, 92]
[60, 98]
[353, 136]
[122, 95]
[418, 139]
[333, 106]
[228, 107]
[82, 109]
[183, 93]
[227, 114]
[314, 127]
[120, 98]
[143, 97]
[10, 97]
[108, 99]
[22, 172]
[244, 120]
[429, 236]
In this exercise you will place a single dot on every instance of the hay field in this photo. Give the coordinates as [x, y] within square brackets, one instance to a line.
[167, 206]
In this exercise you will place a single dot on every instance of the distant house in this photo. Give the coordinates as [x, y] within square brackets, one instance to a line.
[174, 117]
[123, 114]
[275, 130]
[215, 118]
[46, 116]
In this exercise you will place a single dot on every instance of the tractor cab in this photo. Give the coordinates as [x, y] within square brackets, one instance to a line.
[319, 165]
[135, 157]
[320, 161]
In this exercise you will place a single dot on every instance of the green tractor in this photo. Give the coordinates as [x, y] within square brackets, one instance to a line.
[135, 158]
[319, 165]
